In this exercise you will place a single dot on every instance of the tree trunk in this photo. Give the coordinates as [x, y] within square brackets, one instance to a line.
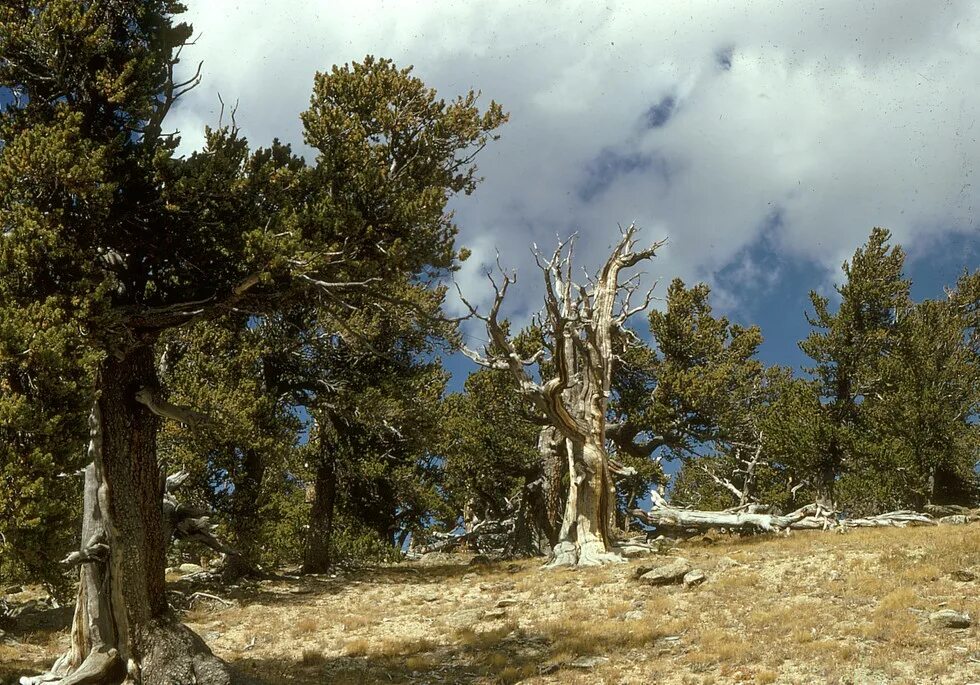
[583, 327]
[551, 448]
[586, 538]
[123, 630]
[317, 557]
[827, 478]
[243, 519]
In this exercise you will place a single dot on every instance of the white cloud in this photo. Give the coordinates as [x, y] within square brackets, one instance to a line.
[841, 117]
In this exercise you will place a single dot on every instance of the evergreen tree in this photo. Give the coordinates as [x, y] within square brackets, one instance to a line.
[924, 435]
[109, 240]
[690, 395]
[848, 348]
[239, 462]
[492, 465]
[371, 383]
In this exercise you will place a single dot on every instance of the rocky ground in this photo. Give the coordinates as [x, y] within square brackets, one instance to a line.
[871, 606]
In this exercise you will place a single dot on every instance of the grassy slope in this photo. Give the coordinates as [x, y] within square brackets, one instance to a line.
[811, 608]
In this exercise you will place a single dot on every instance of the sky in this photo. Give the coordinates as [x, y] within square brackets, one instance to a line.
[764, 139]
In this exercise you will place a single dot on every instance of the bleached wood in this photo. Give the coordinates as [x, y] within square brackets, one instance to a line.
[810, 517]
[583, 324]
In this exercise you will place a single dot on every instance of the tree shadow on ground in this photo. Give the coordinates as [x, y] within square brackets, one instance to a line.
[291, 590]
[508, 660]
[35, 617]
[30, 638]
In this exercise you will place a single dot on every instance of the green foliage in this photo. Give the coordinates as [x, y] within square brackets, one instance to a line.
[848, 347]
[109, 240]
[381, 132]
[490, 445]
[896, 385]
[707, 376]
[924, 419]
[239, 458]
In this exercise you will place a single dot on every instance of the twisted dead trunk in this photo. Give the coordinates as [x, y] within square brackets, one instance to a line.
[586, 537]
[582, 325]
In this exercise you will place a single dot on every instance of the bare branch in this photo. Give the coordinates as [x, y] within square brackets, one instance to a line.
[161, 407]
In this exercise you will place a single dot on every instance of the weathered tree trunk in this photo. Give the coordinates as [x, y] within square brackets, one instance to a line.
[582, 325]
[317, 556]
[539, 514]
[586, 536]
[674, 521]
[551, 448]
[123, 631]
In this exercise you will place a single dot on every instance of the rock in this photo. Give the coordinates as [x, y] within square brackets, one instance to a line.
[506, 603]
[669, 574]
[439, 559]
[464, 618]
[694, 577]
[633, 615]
[963, 575]
[588, 662]
[187, 569]
[431, 598]
[300, 591]
[494, 614]
[726, 563]
[948, 618]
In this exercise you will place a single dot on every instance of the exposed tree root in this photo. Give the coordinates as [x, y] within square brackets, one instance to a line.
[590, 553]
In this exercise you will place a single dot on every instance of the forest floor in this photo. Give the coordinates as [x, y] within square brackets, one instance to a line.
[815, 607]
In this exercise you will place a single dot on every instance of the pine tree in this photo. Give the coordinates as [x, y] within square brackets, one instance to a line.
[493, 468]
[241, 458]
[691, 394]
[848, 348]
[374, 396]
[923, 420]
[109, 240]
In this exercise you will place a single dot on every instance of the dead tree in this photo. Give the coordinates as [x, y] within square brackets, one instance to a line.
[583, 324]
[679, 522]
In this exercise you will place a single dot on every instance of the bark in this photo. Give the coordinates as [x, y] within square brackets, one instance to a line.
[317, 556]
[123, 631]
[553, 465]
[586, 537]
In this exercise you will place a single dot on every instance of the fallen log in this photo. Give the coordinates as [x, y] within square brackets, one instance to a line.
[674, 520]
[671, 519]
[495, 531]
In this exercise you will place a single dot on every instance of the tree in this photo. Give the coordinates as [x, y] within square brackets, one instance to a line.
[240, 460]
[580, 325]
[374, 398]
[493, 469]
[109, 240]
[848, 347]
[924, 418]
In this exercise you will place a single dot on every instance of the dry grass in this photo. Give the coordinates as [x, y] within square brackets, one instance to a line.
[811, 608]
